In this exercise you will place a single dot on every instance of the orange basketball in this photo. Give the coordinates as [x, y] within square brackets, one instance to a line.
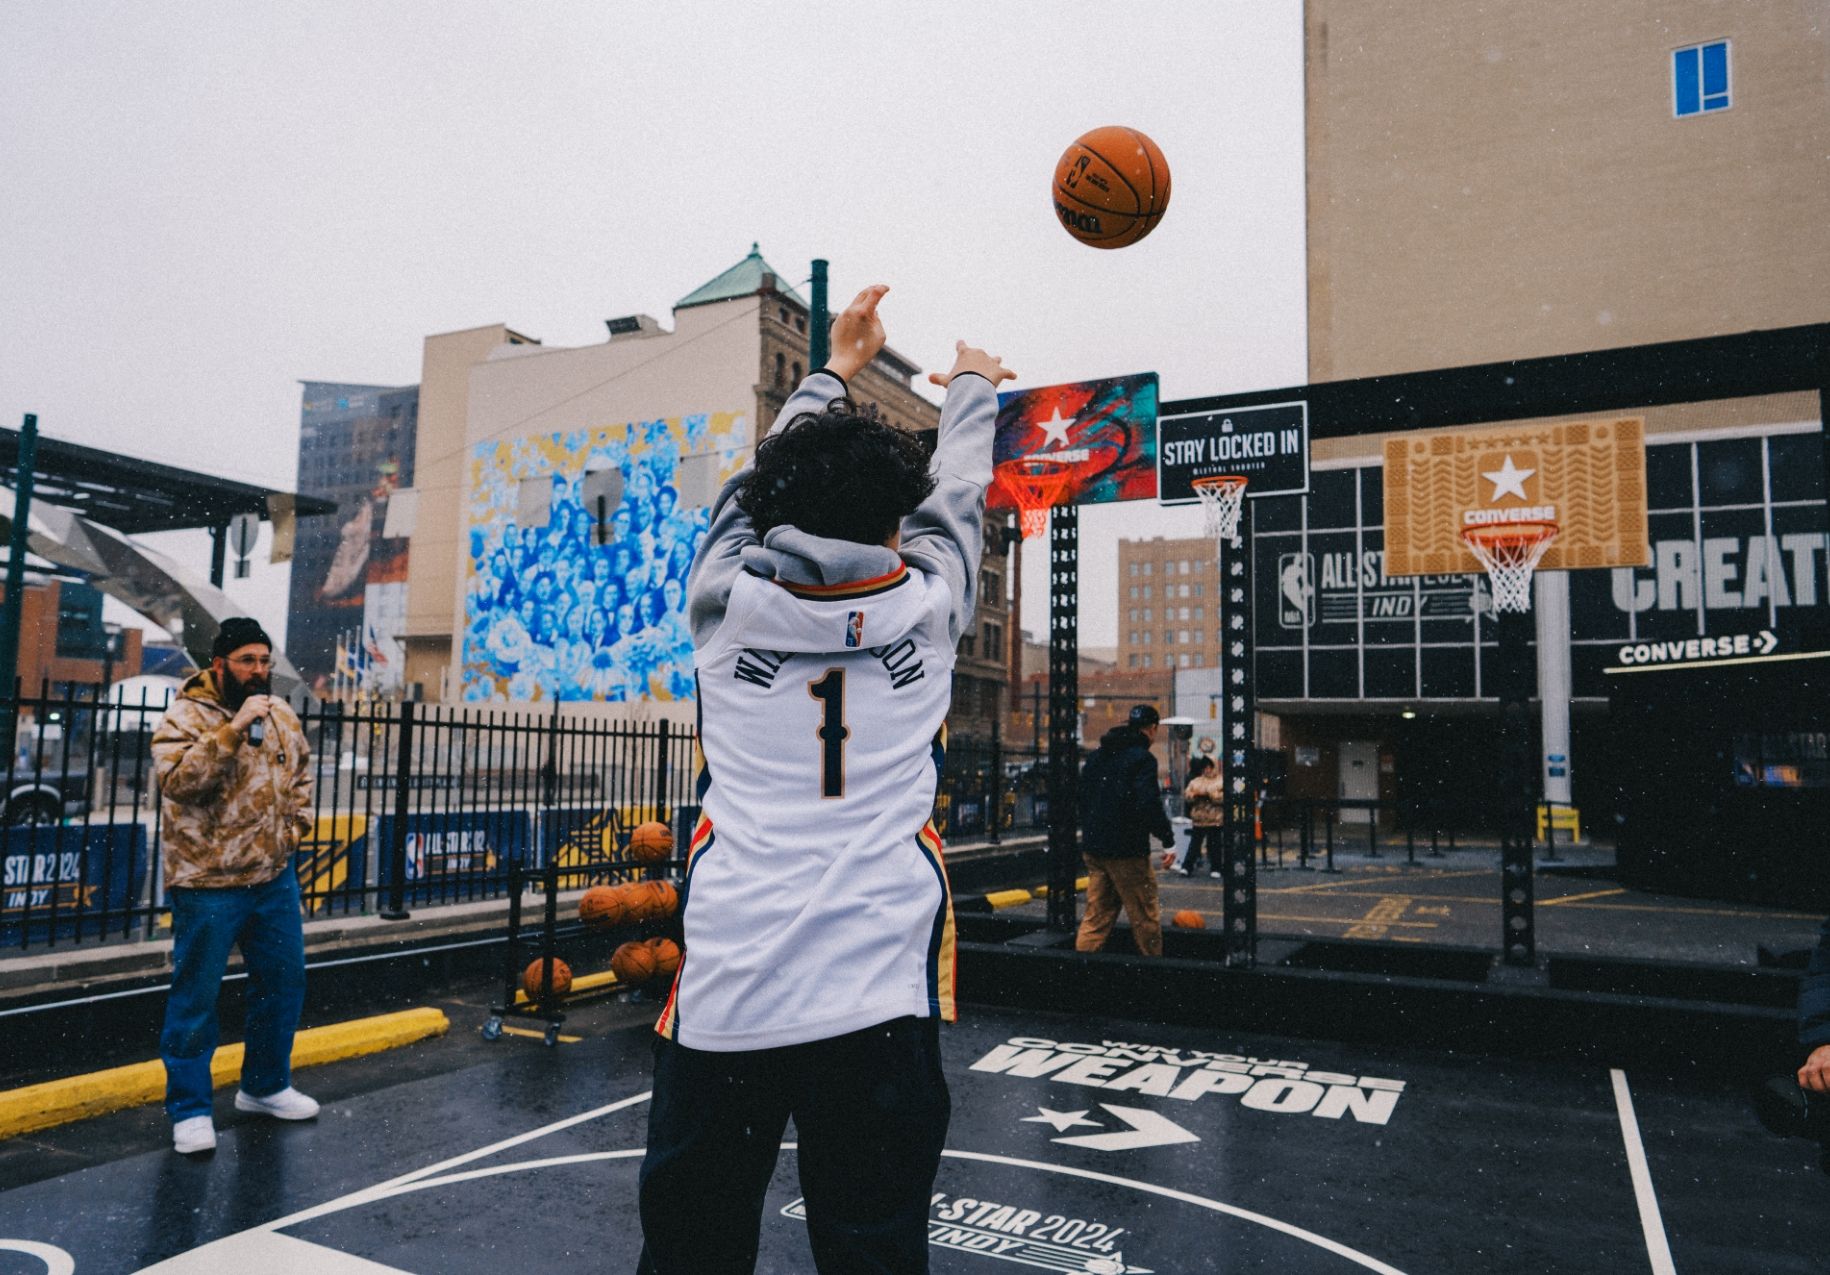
[633, 963]
[666, 956]
[666, 898]
[562, 978]
[1111, 187]
[1188, 919]
[651, 842]
[603, 906]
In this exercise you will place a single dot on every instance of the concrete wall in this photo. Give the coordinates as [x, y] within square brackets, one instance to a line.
[1494, 180]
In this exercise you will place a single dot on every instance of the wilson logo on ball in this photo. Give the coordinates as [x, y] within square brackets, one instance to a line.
[1111, 187]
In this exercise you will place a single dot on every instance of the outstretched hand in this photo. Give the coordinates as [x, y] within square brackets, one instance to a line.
[968, 359]
[857, 334]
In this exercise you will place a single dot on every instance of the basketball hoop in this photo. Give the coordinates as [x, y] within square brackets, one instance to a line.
[1222, 500]
[1035, 484]
[1510, 552]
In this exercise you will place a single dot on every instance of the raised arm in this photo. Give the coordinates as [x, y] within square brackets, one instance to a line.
[857, 336]
[945, 534]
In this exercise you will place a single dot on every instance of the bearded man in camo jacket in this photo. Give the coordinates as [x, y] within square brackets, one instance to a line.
[236, 799]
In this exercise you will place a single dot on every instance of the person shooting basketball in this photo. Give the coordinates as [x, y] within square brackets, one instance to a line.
[826, 605]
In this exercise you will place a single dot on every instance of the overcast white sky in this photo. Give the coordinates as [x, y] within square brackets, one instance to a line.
[205, 203]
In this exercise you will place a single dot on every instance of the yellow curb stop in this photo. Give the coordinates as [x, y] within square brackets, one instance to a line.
[55, 1102]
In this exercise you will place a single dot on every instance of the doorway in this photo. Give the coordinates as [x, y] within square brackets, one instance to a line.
[1359, 781]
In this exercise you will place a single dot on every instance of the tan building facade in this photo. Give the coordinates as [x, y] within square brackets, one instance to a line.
[1168, 605]
[501, 412]
[1492, 181]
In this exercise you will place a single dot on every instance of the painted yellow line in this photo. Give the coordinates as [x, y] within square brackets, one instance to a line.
[583, 983]
[1008, 898]
[1340, 920]
[1379, 918]
[58, 1102]
[1577, 898]
[534, 1035]
[1409, 878]
[1080, 885]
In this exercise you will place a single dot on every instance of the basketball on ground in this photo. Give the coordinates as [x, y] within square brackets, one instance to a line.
[531, 977]
[1188, 919]
[633, 964]
[666, 956]
[651, 842]
[603, 906]
[1111, 187]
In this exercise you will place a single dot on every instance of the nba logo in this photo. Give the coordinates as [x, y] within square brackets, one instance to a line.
[854, 629]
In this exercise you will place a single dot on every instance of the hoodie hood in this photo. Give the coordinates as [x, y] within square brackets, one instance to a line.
[1124, 736]
[201, 686]
[813, 594]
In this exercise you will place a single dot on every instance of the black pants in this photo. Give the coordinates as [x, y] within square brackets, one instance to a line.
[1198, 837]
[870, 1112]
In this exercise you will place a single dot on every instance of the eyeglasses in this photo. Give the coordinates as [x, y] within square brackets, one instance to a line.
[252, 661]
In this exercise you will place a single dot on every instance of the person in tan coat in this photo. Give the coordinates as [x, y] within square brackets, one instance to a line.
[235, 789]
[1205, 797]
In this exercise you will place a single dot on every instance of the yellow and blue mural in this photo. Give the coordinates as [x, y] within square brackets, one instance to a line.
[559, 611]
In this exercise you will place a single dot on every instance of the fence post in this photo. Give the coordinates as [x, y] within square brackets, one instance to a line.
[994, 814]
[661, 771]
[396, 910]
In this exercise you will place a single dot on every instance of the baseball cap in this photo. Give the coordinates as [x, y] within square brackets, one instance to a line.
[1144, 715]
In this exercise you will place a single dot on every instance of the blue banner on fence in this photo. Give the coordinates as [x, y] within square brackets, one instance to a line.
[54, 879]
[455, 854]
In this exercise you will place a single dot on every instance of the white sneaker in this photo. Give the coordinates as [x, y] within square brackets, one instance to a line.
[198, 1133]
[1214, 875]
[287, 1104]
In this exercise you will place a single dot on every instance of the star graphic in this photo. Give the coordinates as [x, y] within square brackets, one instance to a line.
[1055, 429]
[1508, 479]
[1062, 1120]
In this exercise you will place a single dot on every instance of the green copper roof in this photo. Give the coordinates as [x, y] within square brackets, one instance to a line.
[742, 280]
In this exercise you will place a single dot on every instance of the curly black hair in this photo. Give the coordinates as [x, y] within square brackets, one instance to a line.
[844, 473]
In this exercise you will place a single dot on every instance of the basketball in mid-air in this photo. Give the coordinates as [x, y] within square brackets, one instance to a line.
[1111, 187]
[651, 842]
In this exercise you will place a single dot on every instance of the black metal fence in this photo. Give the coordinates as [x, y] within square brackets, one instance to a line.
[414, 806]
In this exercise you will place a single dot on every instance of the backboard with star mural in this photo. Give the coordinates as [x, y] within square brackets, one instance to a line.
[1588, 477]
[1104, 431]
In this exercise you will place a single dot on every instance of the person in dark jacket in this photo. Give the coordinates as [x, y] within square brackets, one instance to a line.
[1121, 806]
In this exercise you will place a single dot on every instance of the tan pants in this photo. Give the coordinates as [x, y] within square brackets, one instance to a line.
[1111, 882]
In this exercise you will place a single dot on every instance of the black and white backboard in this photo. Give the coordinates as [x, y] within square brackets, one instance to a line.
[1267, 444]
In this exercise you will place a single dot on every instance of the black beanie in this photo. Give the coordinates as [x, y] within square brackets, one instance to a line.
[237, 632]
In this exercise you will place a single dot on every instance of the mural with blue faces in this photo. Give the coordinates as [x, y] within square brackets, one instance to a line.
[558, 610]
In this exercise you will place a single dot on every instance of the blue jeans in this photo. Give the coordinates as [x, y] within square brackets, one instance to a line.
[264, 921]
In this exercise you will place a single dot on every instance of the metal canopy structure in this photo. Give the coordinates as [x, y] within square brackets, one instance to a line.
[138, 496]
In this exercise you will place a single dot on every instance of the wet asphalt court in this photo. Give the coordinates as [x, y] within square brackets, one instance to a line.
[1077, 1144]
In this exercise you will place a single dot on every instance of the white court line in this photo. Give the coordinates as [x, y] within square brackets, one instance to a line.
[404, 1187]
[1658, 1249]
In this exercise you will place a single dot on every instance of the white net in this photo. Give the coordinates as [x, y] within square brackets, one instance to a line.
[1510, 552]
[1222, 499]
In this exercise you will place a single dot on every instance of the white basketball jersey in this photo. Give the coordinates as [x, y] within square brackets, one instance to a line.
[816, 901]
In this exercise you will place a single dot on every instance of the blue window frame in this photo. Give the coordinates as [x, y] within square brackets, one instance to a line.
[1699, 79]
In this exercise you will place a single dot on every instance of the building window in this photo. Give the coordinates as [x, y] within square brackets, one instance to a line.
[1699, 79]
[1133, 661]
[781, 369]
[1147, 636]
[1183, 636]
[1146, 593]
[1148, 615]
[1131, 615]
[1198, 613]
[1200, 660]
[784, 310]
[797, 371]
[1134, 568]
[1169, 637]
[968, 646]
[1182, 567]
[1146, 661]
[1182, 661]
[800, 323]
[1132, 638]
[1197, 588]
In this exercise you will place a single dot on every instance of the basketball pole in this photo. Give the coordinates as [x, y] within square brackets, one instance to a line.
[1239, 905]
[1516, 671]
[819, 338]
[1063, 715]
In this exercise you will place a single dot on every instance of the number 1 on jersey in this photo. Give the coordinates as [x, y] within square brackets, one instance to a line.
[833, 732]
